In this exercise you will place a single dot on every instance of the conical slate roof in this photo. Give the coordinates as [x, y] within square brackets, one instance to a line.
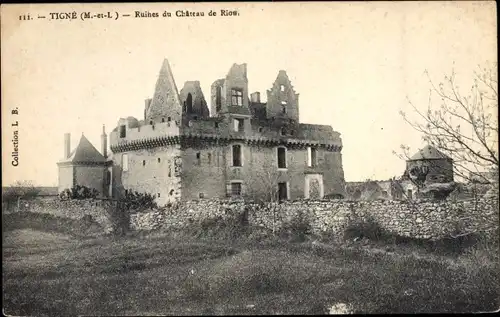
[428, 153]
[166, 94]
[85, 152]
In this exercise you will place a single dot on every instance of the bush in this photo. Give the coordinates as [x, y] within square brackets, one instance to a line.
[364, 228]
[460, 243]
[232, 227]
[79, 192]
[298, 228]
[437, 191]
[119, 211]
[138, 201]
[334, 196]
[21, 189]
[119, 218]
[88, 219]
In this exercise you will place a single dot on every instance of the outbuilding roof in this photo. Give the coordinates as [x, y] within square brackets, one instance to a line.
[85, 152]
[428, 153]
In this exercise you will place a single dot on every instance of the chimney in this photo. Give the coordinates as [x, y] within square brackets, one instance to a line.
[67, 145]
[147, 103]
[255, 97]
[104, 142]
[245, 69]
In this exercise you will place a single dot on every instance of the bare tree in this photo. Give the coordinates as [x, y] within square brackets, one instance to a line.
[18, 191]
[261, 186]
[464, 127]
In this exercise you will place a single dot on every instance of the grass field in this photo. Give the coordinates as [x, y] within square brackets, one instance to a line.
[53, 270]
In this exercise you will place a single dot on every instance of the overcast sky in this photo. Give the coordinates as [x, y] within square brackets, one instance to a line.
[353, 65]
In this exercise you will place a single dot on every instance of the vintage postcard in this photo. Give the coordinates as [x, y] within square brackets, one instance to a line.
[249, 158]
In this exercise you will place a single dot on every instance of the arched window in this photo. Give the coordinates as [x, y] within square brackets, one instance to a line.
[189, 103]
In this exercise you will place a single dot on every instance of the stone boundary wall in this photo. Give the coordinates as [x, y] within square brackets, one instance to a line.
[416, 219]
[73, 209]
[424, 219]
[185, 213]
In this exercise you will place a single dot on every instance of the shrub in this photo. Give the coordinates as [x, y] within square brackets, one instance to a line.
[230, 227]
[460, 243]
[334, 196]
[118, 213]
[78, 192]
[138, 201]
[299, 227]
[88, 219]
[119, 218]
[21, 189]
[364, 228]
[437, 191]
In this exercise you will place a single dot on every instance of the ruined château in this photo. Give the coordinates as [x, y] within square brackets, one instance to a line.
[181, 150]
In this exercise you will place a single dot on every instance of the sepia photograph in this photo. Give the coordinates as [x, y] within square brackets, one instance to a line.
[250, 158]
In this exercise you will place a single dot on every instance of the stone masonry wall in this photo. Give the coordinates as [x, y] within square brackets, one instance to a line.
[420, 219]
[73, 209]
[184, 213]
[150, 171]
[424, 219]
